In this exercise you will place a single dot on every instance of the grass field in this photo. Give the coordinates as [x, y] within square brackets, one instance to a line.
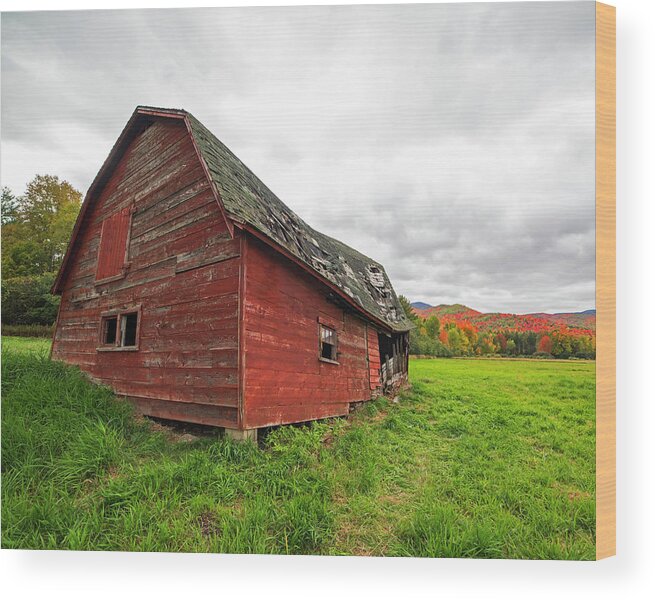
[480, 459]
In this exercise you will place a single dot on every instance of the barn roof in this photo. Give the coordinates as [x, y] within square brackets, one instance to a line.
[247, 201]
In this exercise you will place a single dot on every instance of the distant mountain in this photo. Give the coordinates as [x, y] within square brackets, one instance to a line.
[460, 310]
[578, 322]
[585, 319]
[421, 305]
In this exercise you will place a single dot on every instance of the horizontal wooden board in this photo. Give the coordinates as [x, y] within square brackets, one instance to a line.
[202, 414]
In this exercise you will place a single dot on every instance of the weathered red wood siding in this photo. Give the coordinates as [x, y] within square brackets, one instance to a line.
[283, 379]
[183, 271]
[373, 358]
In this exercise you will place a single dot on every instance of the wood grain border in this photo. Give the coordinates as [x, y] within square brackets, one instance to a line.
[605, 280]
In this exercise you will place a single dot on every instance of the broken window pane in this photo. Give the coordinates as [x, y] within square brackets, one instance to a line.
[328, 343]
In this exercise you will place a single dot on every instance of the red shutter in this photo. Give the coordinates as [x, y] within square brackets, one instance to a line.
[113, 245]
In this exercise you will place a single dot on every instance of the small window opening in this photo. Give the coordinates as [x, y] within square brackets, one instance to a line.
[128, 329]
[109, 328]
[328, 343]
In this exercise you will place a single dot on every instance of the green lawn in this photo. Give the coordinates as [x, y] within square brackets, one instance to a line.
[490, 458]
[25, 345]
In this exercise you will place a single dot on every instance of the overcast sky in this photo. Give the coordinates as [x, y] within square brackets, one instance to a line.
[454, 143]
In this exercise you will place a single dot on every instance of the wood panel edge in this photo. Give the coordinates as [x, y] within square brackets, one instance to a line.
[605, 280]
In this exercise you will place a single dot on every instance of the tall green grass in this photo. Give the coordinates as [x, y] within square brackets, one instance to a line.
[480, 459]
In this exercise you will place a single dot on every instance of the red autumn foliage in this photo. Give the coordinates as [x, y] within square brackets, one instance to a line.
[538, 323]
[502, 341]
[559, 335]
[545, 345]
[443, 336]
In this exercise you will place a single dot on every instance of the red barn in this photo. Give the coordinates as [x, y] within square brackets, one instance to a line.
[194, 292]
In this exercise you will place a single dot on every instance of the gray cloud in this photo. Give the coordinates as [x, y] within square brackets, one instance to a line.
[454, 143]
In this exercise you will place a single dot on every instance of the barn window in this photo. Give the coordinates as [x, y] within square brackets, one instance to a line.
[112, 254]
[119, 330]
[128, 329]
[109, 328]
[328, 341]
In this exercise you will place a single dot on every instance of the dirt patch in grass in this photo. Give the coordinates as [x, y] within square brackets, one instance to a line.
[392, 499]
[571, 493]
[208, 525]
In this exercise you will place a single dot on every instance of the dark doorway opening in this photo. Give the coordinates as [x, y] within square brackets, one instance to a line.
[393, 357]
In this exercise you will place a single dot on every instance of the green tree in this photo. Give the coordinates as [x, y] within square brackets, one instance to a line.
[28, 301]
[49, 208]
[486, 345]
[409, 311]
[9, 206]
[561, 346]
[455, 342]
[38, 226]
[432, 327]
[21, 256]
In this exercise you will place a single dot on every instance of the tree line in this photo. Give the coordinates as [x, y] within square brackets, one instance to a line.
[36, 227]
[432, 336]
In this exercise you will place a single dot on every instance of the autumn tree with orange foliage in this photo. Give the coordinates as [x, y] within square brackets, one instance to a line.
[545, 345]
